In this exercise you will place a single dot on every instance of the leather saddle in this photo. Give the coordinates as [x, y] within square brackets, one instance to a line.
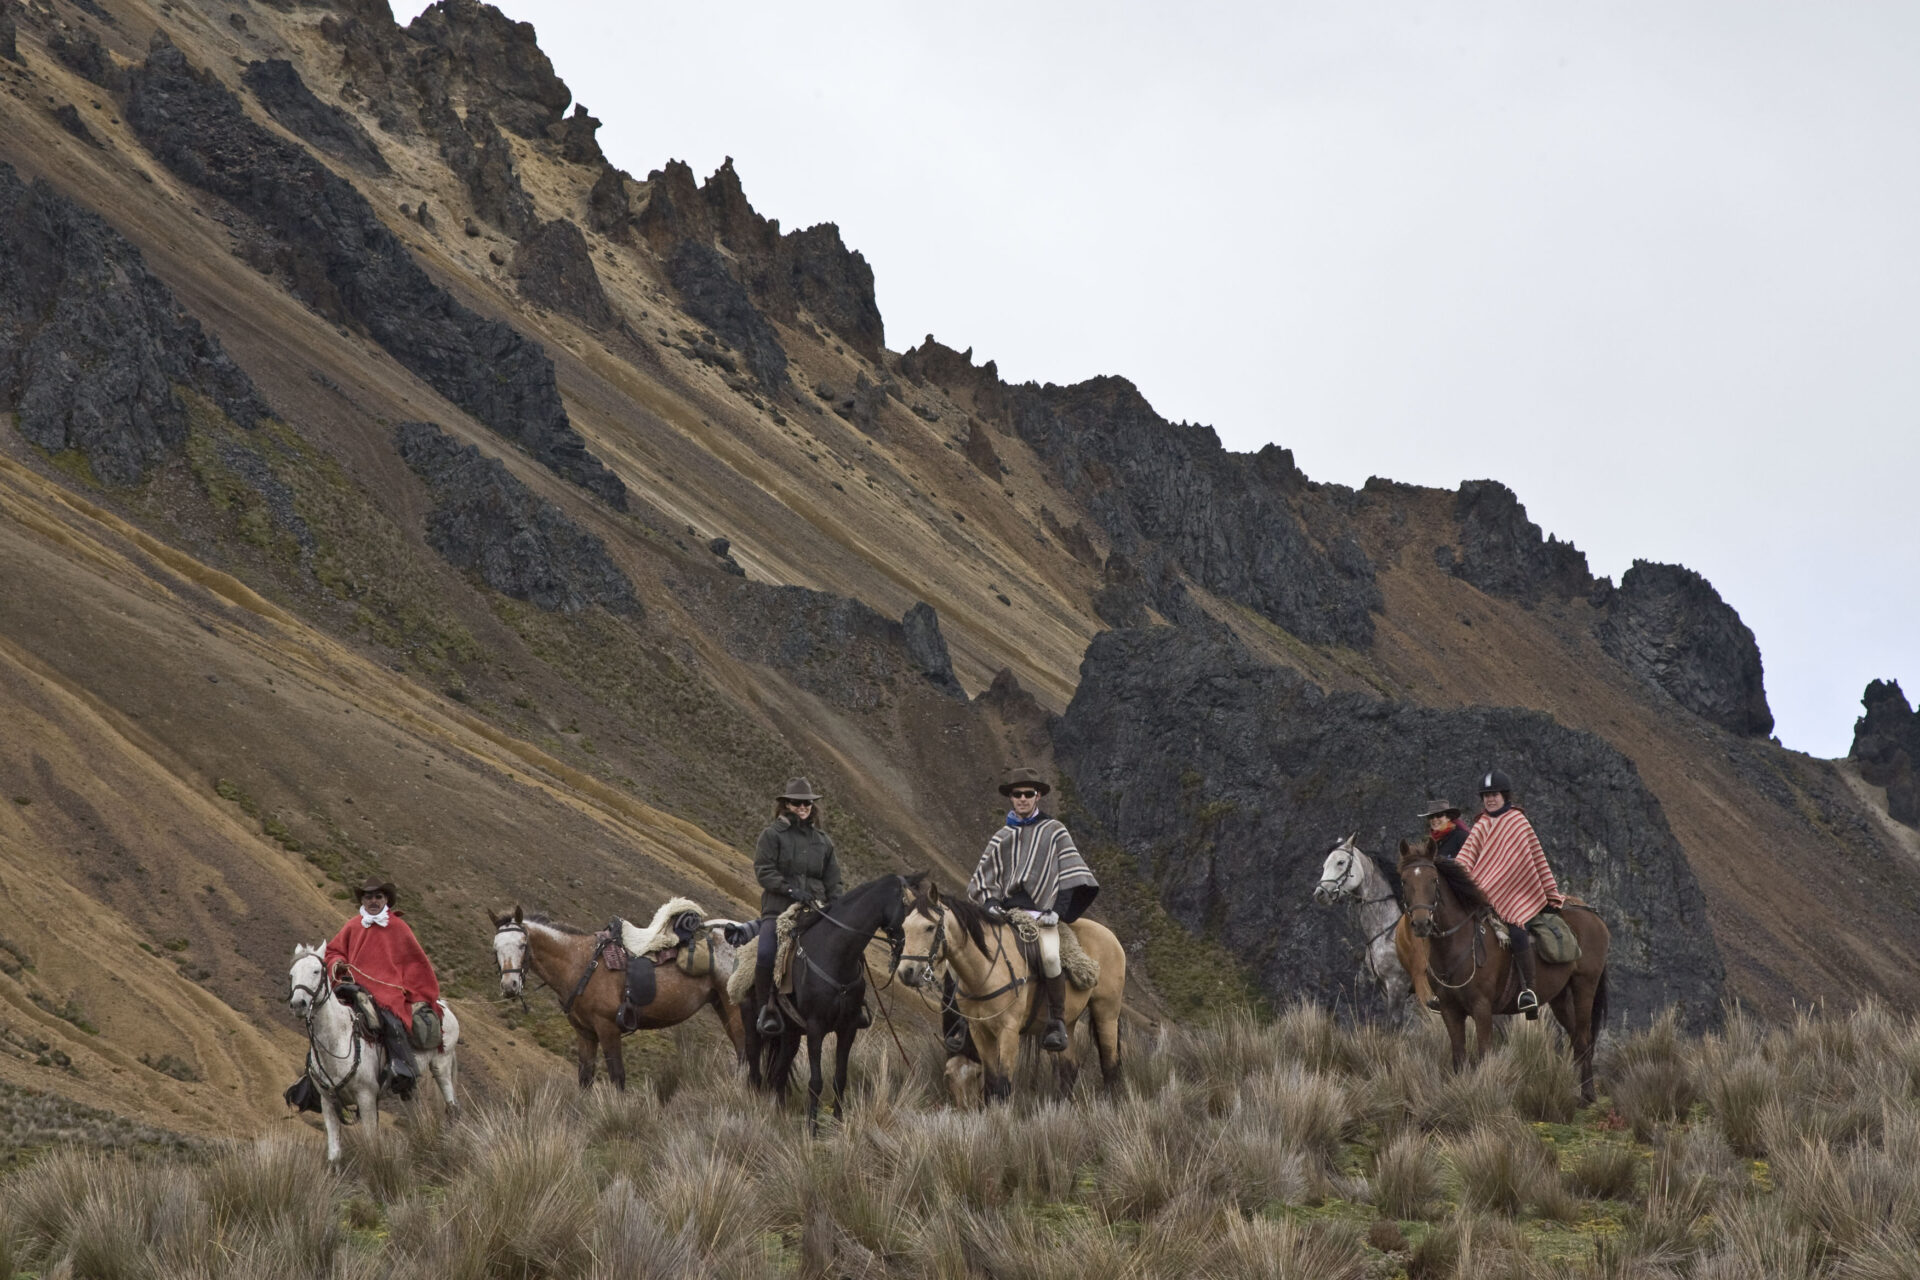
[642, 986]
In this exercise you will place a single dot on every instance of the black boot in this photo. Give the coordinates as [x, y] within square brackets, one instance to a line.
[952, 1024]
[1055, 1040]
[769, 1023]
[1522, 947]
[402, 1072]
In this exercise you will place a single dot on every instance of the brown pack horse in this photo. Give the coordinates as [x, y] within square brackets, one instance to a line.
[1470, 971]
[999, 995]
[560, 957]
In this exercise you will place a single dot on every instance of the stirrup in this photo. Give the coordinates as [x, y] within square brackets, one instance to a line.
[863, 1019]
[1055, 1041]
[1433, 1003]
[1527, 1003]
[769, 1023]
[956, 1041]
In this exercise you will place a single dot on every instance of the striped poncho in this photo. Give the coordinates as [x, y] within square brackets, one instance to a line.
[1508, 865]
[1035, 861]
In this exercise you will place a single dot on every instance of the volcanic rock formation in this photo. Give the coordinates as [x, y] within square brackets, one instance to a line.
[1886, 743]
[1669, 626]
[93, 347]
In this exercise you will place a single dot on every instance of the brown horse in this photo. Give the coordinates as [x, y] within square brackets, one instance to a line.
[590, 993]
[998, 994]
[1470, 971]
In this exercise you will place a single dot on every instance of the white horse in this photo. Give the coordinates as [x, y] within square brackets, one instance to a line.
[343, 1065]
[1352, 876]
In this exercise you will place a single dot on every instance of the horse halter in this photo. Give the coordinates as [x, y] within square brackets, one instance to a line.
[316, 994]
[511, 927]
[935, 950]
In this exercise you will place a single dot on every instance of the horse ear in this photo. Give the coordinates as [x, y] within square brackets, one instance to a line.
[1406, 850]
[518, 918]
[914, 880]
[1350, 839]
[933, 894]
[494, 920]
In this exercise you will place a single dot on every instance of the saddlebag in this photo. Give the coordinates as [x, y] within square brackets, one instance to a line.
[1554, 939]
[425, 1035]
[696, 957]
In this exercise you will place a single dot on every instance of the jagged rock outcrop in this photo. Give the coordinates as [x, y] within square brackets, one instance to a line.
[1503, 553]
[927, 649]
[69, 117]
[1667, 625]
[288, 100]
[80, 49]
[1121, 600]
[609, 207]
[341, 260]
[488, 523]
[980, 451]
[9, 37]
[1886, 745]
[1228, 520]
[554, 268]
[1225, 781]
[482, 159]
[575, 135]
[94, 348]
[810, 269]
[975, 388]
[835, 647]
[471, 50]
[714, 296]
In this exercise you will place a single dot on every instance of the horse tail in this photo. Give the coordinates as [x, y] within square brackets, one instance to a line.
[1599, 1019]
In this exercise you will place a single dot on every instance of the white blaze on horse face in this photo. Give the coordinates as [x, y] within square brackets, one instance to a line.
[510, 951]
[920, 932]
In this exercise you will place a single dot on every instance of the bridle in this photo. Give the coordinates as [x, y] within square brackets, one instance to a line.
[320, 994]
[523, 972]
[896, 936]
[938, 950]
[1432, 909]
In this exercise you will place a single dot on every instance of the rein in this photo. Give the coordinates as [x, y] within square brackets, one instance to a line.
[938, 951]
[1477, 951]
[322, 994]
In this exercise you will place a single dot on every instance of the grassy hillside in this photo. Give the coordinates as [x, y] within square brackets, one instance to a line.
[1237, 1147]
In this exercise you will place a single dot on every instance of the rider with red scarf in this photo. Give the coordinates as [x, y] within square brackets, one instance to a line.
[376, 951]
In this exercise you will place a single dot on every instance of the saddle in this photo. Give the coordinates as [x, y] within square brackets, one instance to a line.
[675, 944]
[790, 922]
[1079, 968]
[366, 1014]
[1553, 937]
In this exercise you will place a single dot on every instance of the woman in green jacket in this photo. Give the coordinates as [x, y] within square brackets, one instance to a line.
[794, 862]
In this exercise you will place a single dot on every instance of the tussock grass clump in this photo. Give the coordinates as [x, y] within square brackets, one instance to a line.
[1605, 1171]
[1502, 1168]
[1545, 1084]
[1406, 1180]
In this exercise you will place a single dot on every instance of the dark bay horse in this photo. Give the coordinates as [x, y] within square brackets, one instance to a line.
[1471, 972]
[829, 970]
[561, 957]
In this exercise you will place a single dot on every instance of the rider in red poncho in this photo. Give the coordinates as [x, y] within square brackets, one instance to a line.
[376, 950]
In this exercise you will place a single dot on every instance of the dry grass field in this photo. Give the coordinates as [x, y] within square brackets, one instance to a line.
[1248, 1147]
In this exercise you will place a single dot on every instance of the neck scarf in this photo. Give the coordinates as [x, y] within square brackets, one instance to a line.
[1015, 820]
[367, 920]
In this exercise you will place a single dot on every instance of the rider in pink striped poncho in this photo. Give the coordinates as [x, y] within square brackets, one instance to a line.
[1509, 867]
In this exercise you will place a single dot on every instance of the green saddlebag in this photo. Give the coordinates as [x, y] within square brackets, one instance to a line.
[696, 958]
[425, 1032]
[1554, 939]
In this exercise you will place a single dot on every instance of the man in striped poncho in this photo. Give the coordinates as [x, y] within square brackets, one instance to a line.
[1505, 859]
[1031, 865]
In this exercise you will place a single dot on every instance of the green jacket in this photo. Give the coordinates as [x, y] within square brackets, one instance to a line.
[794, 864]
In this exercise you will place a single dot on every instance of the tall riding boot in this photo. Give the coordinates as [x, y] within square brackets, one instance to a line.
[769, 1023]
[402, 1072]
[953, 1024]
[1055, 1040]
[1522, 947]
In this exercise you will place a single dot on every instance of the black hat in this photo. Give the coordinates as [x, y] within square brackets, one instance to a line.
[1024, 777]
[1494, 780]
[373, 885]
[798, 789]
[1437, 807]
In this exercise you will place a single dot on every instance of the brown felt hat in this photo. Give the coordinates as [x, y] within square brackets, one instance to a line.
[799, 789]
[370, 885]
[1024, 777]
[1437, 807]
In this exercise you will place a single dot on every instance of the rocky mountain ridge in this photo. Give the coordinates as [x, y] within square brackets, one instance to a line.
[497, 521]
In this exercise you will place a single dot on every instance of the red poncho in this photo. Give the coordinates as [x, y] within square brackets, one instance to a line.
[388, 961]
[1506, 861]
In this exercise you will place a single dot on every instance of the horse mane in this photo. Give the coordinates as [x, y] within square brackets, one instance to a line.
[1389, 871]
[969, 915]
[1464, 889]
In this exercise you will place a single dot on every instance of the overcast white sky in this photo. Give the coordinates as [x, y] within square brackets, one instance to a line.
[1654, 266]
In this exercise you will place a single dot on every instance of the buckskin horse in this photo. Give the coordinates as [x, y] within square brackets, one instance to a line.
[344, 1064]
[997, 991]
[829, 968]
[591, 994]
[1472, 975]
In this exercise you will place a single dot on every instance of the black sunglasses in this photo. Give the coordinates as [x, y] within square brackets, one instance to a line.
[800, 804]
[1023, 795]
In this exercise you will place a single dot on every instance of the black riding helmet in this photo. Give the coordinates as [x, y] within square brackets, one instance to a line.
[1494, 780]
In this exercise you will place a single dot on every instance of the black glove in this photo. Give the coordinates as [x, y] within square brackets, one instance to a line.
[996, 912]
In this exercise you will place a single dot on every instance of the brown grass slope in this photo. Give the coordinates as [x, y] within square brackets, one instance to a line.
[211, 735]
